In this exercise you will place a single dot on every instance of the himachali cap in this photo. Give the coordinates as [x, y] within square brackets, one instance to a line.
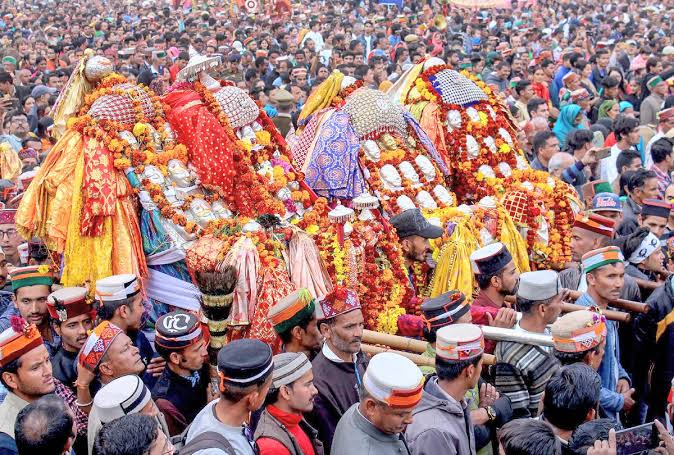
[177, 330]
[654, 81]
[412, 222]
[444, 309]
[580, 94]
[17, 340]
[34, 275]
[600, 257]
[98, 343]
[120, 397]
[394, 380]
[601, 186]
[67, 303]
[291, 310]
[458, 342]
[117, 287]
[578, 331]
[606, 202]
[289, 367]
[7, 216]
[570, 77]
[595, 223]
[490, 259]
[339, 301]
[666, 114]
[538, 285]
[656, 207]
[244, 362]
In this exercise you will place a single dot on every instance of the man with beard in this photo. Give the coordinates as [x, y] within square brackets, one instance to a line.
[72, 318]
[294, 320]
[182, 389]
[497, 276]
[605, 270]
[120, 301]
[340, 365]
[25, 370]
[591, 231]
[391, 390]
[414, 231]
[282, 429]
[522, 370]
[31, 286]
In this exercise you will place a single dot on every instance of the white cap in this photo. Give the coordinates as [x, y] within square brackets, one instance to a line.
[538, 285]
[117, 287]
[122, 396]
[457, 342]
[394, 380]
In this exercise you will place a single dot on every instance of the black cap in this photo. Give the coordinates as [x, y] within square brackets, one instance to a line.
[412, 222]
[656, 207]
[177, 330]
[245, 362]
[444, 309]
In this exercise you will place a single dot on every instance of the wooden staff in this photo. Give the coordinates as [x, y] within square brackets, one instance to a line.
[419, 360]
[394, 341]
[623, 304]
[611, 315]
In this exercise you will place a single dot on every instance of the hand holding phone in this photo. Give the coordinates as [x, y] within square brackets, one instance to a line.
[637, 439]
[603, 152]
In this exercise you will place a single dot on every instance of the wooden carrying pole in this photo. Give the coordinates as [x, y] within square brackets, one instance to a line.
[419, 360]
[611, 315]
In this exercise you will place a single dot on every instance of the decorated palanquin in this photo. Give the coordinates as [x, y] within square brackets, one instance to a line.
[477, 139]
[136, 184]
[354, 144]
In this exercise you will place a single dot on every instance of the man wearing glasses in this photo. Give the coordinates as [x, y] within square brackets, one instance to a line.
[9, 237]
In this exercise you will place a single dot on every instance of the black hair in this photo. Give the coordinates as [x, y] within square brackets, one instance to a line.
[661, 149]
[610, 82]
[529, 437]
[570, 394]
[449, 371]
[521, 86]
[586, 434]
[526, 305]
[625, 158]
[639, 178]
[361, 71]
[11, 367]
[577, 139]
[623, 125]
[533, 104]
[107, 310]
[303, 323]
[44, 426]
[234, 393]
[540, 139]
[568, 358]
[630, 243]
[132, 433]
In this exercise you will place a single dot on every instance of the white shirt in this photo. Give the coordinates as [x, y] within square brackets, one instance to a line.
[609, 170]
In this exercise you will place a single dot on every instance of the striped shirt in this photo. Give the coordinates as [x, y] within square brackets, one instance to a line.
[522, 372]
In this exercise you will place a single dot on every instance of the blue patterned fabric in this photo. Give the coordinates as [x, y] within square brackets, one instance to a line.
[333, 170]
[426, 142]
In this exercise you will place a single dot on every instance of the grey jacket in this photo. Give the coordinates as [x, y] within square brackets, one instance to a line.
[441, 424]
[355, 435]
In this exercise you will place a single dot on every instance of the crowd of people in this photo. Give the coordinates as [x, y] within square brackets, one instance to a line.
[590, 86]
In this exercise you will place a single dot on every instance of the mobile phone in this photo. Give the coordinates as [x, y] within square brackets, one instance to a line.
[603, 152]
[637, 439]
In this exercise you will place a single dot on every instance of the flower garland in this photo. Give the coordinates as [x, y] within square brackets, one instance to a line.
[340, 99]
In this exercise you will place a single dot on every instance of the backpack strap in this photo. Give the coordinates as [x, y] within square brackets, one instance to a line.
[207, 440]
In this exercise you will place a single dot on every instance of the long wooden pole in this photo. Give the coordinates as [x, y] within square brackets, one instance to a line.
[419, 360]
[612, 315]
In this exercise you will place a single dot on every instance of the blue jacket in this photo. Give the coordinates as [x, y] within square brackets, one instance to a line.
[610, 369]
